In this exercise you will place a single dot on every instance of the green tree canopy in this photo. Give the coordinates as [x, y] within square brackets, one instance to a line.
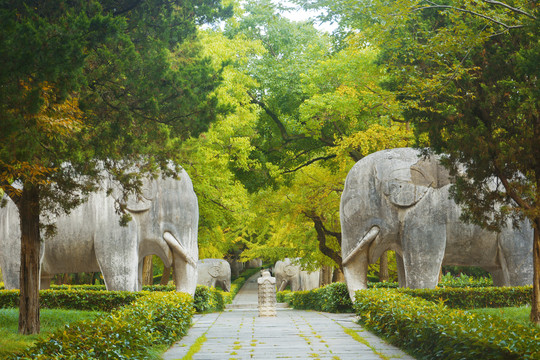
[96, 85]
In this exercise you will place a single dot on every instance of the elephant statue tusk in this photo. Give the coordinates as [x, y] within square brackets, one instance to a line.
[178, 248]
[282, 285]
[365, 241]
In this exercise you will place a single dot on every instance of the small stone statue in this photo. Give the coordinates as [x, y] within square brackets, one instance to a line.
[267, 294]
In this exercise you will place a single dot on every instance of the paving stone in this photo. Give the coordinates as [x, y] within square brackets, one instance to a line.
[239, 333]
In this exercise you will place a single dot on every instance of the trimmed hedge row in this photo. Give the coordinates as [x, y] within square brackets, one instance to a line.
[75, 300]
[93, 297]
[471, 298]
[434, 331]
[332, 298]
[128, 333]
[335, 297]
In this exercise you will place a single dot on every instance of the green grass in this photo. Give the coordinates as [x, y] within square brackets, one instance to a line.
[196, 347]
[517, 314]
[51, 319]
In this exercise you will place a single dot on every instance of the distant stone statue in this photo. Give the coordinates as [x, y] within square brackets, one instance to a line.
[288, 273]
[254, 263]
[267, 294]
[398, 200]
[90, 238]
[214, 273]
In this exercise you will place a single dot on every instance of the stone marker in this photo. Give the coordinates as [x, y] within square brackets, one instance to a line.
[267, 294]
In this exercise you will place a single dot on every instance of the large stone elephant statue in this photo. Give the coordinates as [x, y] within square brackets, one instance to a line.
[398, 200]
[289, 273]
[214, 273]
[90, 238]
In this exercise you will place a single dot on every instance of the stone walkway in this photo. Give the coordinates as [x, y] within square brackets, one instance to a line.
[239, 333]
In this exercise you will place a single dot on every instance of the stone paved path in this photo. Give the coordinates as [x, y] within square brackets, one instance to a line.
[239, 333]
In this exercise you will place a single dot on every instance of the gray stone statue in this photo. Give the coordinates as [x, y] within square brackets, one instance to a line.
[214, 273]
[90, 239]
[288, 273]
[397, 200]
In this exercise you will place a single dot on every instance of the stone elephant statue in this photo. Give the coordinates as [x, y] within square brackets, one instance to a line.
[214, 273]
[90, 239]
[397, 200]
[288, 273]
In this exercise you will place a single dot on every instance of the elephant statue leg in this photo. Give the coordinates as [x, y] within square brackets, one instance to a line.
[355, 271]
[498, 277]
[423, 252]
[45, 281]
[400, 271]
[118, 259]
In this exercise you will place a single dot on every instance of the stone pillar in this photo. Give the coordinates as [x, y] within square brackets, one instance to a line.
[267, 294]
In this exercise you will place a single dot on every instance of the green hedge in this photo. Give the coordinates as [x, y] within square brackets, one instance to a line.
[93, 297]
[128, 333]
[330, 298]
[471, 298]
[434, 331]
[335, 297]
[75, 300]
[209, 299]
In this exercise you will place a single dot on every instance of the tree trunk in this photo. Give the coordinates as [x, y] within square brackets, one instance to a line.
[326, 275]
[166, 276]
[30, 248]
[148, 273]
[535, 303]
[321, 237]
[338, 276]
[383, 267]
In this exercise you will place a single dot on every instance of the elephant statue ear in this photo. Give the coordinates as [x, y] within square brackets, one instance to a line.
[404, 187]
[291, 270]
[215, 270]
[144, 202]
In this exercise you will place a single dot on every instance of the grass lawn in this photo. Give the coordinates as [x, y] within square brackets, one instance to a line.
[51, 319]
[517, 314]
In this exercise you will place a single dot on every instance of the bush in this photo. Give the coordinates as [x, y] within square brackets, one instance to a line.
[434, 331]
[209, 299]
[472, 298]
[76, 300]
[330, 298]
[126, 333]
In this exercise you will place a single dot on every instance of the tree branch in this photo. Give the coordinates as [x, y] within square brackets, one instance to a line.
[309, 163]
[273, 116]
[321, 237]
[436, 6]
[519, 11]
[518, 199]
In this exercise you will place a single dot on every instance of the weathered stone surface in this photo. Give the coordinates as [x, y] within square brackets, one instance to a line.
[288, 273]
[267, 294]
[254, 263]
[90, 239]
[214, 273]
[396, 200]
